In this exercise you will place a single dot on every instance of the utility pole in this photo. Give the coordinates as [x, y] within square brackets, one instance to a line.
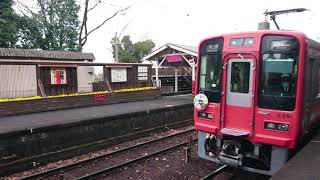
[115, 43]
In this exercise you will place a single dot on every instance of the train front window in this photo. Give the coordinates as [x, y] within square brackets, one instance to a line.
[210, 76]
[278, 81]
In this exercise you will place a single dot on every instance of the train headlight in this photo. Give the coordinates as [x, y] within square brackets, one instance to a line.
[276, 126]
[270, 125]
[205, 115]
[283, 127]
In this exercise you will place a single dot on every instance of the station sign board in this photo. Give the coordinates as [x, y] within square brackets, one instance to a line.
[118, 74]
[142, 73]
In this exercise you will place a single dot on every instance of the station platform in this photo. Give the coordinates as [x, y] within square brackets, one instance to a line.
[34, 121]
[49, 136]
[304, 165]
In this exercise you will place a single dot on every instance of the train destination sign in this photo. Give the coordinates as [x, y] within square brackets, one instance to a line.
[212, 48]
[282, 45]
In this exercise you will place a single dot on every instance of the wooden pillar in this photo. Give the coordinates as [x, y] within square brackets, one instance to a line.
[149, 76]
[176, 79]
[106, 76]
[157, 72]
[157, 76]
[38, 79]
[104, 72]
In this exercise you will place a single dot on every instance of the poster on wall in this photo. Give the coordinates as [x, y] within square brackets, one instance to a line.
[58, 76]
[142, 73]
[118, 75]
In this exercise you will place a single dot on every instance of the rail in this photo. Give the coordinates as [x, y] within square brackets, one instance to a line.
[58, 170]
[218, 171]
[110, 169]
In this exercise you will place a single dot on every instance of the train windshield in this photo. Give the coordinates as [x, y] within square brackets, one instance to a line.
[278, 81]
[210, 76]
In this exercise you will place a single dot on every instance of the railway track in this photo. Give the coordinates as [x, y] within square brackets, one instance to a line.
[220, 170]
[109, 170]
[61, 171]
[225, 172]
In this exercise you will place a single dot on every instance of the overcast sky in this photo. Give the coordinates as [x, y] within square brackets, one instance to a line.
[188, 21]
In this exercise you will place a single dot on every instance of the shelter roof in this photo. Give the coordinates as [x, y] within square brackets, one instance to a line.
[182, 48]
[67, 63]
[32, 54]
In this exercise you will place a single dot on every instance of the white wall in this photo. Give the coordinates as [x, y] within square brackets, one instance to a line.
[18, 81]
[85, 76]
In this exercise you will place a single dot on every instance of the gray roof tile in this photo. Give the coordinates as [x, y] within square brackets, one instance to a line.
[27, 54]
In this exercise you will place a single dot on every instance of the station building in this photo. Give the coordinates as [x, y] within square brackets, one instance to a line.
[27, 73]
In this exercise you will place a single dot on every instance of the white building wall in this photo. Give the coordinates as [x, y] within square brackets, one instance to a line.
[85, 76]
[18, 81]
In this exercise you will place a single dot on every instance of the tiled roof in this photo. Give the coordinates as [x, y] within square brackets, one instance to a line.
[31, 54]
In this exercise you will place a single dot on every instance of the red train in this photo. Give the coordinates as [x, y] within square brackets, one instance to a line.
[257, 95]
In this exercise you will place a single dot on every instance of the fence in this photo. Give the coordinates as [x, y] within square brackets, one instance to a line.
[49, 104]
[169, 71]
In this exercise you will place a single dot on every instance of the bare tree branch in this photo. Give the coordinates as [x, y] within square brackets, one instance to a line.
[43, 10]
[86, 37]
[83, 37]
[21, 10]
[115, 14]
[124, 28]
[25, 7]
[94, 6]
[84, 25]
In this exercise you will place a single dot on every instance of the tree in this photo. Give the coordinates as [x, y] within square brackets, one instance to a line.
[54, 27]
[7, 24]
[132, 53]
[29, 33]
[143, 48]
[59, 24]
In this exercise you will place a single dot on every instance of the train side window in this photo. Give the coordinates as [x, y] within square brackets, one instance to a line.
[240, 77]
[318, 80]
[315, 86]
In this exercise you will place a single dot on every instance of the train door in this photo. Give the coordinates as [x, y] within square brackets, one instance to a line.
[239, 96]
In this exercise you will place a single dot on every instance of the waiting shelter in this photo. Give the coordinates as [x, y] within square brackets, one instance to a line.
[173, 55]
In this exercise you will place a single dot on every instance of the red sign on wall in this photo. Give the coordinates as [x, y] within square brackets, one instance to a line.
[100, 97]
[58, 76]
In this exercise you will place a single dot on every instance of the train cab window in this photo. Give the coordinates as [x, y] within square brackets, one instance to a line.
[240, 77]
[210, 69]
[210, 76]
[278, 72]
[278, 80]
[210, 72]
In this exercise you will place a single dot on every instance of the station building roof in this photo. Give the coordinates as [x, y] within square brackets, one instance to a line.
[32, 54]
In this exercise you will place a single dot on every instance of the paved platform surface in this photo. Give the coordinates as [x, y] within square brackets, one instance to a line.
[303, 166]
[51, 118]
